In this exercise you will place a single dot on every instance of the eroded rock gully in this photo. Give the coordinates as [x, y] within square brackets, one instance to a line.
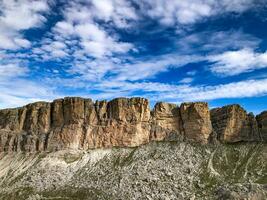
[79, 123]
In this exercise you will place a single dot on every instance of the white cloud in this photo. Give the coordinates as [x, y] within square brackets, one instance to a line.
[97, 42]
[143, 69]
[90, 31]
[99, 59]
[22, 42]
[236, 62]
[117, 70]
[186, 80]
[12, 70]
[64, 28]
[241, 89]
[104, 8]
[181, 93]
[182, 12]
[192, 73]
[119, 12]
[57, 53]
[216, 42]
[94, 39]
[16, 16]
[18, 92]
[7, 42]
[157, 91]
[93, 70]
[16, 88]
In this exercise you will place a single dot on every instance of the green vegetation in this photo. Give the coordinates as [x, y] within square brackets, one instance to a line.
[21, 193]
[70, 158]
[75, 194]
[233, 164]
[124, 160]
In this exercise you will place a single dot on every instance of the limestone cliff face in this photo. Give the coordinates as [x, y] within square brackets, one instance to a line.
[233, 124]
[262, 123]
[166, 123]
[80, 123]
[196, 121]
[120, 122]
[75, 123]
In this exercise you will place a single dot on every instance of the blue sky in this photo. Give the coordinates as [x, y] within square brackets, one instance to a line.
[174, 51]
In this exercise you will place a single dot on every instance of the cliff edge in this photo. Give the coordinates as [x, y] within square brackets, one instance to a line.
[79, 123]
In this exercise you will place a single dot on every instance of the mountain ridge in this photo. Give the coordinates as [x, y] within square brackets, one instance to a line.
[80, 123]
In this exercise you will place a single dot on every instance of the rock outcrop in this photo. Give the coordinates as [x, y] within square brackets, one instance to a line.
[79, 123]
[262, 123]
[196, 121]
[75, 123]
[120, 122]
[166, 123]
[233, 124]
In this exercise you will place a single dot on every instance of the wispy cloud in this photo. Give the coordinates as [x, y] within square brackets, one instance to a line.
[17, 92]
[216, 42]
[236, 62]
[148, 68]
[181, 93]
[231, 90]
[186, 80]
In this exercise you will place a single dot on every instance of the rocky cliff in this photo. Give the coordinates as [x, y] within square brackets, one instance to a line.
[233, 124]
[79, 123]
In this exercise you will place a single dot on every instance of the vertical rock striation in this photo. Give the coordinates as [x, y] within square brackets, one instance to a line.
[262, 122]
[166, 123]
[232, 124]
[196, 121]
[120, 122]
[79, 123]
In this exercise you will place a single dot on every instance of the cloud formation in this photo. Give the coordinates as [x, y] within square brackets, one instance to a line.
[12, 70]
[182, 12]
[111, 48]
[236, 62]
[17, 16]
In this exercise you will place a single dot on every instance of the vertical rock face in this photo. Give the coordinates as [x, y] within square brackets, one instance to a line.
[166, 122]
[68, 118]
[233, 124]
[9, 124]
[36, 125]
[25, 128]
[80, 123]
[129, 110]
[120, 122]
[196, 121]
[57, 113]
[9, 119]
[262, 123]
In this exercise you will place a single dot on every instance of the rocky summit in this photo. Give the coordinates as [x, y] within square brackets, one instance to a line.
[78, 123]
[74, 148]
